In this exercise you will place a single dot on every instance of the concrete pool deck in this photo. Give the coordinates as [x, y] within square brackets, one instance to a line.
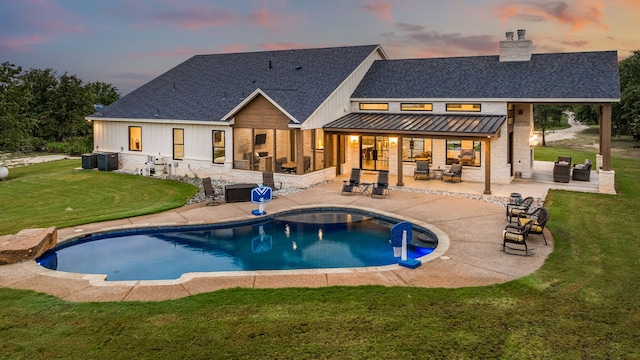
[473, 257]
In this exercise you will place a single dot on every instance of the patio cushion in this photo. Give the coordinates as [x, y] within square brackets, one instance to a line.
[517, 211]
[513, 237]
[534, 228]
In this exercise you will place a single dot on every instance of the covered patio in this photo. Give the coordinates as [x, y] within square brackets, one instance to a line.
[537, 186]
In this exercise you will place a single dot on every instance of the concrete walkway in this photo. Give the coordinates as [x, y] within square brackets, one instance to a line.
[469, 255]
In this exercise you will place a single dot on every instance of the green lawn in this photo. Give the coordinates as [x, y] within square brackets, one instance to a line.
[582, 304]
[56, 194]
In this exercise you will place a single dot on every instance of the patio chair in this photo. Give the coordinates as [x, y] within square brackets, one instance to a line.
[582, 171]
[352, 185]
[454, 174]
[279, 162]
[516, 234]
[381, 187]
[422, 169]
[539, 219]
[209, 192]
[517, 210]
[269, 181]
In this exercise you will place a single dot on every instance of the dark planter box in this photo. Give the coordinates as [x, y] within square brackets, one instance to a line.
[238, 192]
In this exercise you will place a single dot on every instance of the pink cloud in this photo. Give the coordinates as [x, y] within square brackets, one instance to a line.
[195, 17]
[576, 14]
[382, 9]
[21, 43]
[421, 42]
[37, 22]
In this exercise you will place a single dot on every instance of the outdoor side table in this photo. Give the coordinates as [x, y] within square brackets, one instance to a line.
[366, 188]
[437, 173]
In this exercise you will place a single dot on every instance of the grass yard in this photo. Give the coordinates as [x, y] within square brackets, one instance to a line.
[54, 194]
[582, 304]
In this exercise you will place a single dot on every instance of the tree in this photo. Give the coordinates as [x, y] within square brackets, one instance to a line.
[626, 113]
[546, 117]
[588, 114]
[38, 106]
[15, 122]
[105, 94]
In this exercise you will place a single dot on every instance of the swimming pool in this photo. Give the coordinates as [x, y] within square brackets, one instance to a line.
[317, 238]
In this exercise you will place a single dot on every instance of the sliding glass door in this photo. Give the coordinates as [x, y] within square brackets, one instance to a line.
[374, 152]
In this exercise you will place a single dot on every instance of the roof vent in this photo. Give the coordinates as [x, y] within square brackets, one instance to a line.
[298, 67]
[270, 66]
[519, 50]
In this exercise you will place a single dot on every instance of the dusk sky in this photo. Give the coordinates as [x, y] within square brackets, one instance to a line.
[129, 42]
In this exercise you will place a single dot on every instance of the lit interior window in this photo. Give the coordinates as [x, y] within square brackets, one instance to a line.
[178, 144]
[416, 107]
[135, 138]
[463, 107]
[374, 106]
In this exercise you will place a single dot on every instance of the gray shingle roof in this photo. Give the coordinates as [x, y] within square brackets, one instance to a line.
[586, 75]
[207, 87]
[425, 124]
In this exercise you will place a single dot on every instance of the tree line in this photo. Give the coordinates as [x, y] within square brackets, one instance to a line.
[43, 111]
[625, 116]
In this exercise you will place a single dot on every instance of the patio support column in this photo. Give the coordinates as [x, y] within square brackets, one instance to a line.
[605, 136]
[328, 151]
[399, 151]
[487, 166]
[299, 152]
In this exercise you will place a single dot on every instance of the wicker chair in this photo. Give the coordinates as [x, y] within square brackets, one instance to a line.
[582, 171]
[562, 169]
[516, 210]
[516, 234]
[539, 218]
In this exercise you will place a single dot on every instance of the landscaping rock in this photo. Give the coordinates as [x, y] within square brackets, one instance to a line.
[27, 244]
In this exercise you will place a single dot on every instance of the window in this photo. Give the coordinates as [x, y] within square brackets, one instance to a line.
[374, 106]
[135, 138]
[465, 152]
[416, 107]
[414, 149]
[178, 144]
[218, 146]
[463, 107]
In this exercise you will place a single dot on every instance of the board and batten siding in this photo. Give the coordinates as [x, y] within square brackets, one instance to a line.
[260, 113]
[157, 138]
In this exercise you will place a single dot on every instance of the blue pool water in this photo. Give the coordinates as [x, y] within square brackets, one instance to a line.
[294, 240]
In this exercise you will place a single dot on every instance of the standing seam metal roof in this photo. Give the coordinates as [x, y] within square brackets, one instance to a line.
[425, 124]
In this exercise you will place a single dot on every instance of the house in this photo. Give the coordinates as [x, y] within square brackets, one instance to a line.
[310, 114]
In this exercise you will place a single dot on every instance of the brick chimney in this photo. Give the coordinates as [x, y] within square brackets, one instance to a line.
[518, 50]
